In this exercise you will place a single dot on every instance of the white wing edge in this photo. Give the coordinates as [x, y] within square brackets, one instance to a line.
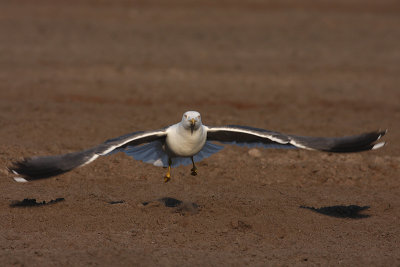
[146, 134]
[259, 134]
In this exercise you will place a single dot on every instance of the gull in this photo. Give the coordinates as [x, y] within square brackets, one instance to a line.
[185, 143]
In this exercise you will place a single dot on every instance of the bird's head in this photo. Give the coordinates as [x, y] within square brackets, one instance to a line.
[191, 120]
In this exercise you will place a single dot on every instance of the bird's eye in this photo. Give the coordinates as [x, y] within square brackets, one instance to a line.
[185, 116]
[198, 117]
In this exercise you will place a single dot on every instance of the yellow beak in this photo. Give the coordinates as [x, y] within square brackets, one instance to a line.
[192, 122]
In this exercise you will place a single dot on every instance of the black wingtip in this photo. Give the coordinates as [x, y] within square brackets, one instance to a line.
[382, 133]
[347, 144]
[17, 178]
[28, 169]
[363, 142]
[368, 141]
[41, 167]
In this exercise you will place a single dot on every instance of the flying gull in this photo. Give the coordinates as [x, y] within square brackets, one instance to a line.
[185, 143]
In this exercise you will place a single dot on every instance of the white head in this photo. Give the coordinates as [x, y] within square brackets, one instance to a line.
[191, 120]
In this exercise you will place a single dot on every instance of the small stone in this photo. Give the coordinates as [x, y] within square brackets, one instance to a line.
[255, 153]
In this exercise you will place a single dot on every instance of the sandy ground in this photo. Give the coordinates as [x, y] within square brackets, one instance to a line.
[75, 73]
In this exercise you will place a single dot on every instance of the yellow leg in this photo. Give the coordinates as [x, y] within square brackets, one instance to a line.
[194, 169]
[167, 177]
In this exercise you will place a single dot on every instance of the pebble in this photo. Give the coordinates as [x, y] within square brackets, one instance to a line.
[255, 153]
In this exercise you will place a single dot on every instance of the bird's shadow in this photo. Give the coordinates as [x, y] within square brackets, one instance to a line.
[169, 202]
[31, 202]
[341, 211]
[182, 207]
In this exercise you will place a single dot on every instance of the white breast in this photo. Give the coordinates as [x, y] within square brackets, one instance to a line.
[184, 144]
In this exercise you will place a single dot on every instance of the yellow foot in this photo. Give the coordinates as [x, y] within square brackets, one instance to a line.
[194, 171]
[167, 178]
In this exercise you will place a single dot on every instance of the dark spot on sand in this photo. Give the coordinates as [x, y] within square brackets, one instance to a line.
[181, 206]
[341, 211]
[31, 202]
[116, 202]
[170, 202]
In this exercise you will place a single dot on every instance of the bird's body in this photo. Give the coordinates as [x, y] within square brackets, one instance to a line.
[187, 142]
[181, 143]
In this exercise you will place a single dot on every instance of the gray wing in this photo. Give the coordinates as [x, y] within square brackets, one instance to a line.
[208, 149]
[243, 135]
[47, 166]
[155, 154]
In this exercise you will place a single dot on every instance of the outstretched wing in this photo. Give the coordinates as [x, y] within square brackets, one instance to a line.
[48, 166]
[243, 135]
